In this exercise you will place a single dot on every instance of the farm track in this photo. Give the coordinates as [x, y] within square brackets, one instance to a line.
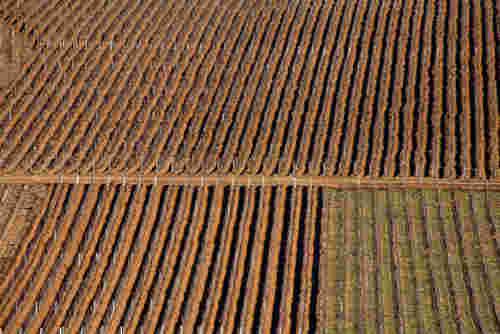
[400, 88]
[175, 236]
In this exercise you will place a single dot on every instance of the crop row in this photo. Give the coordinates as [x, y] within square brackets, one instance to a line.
[176, 258]
[395, 88]
[412, 261]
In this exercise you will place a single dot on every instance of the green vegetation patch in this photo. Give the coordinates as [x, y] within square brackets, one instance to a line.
[412, 261]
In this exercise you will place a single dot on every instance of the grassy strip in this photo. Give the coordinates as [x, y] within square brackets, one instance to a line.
[352, 278]
[423, 276]
[458, 284]
[490, 265]
[406, 286]
[438, 261]
[368, 254]
[384, 252]
[493, 205]
[336, 262]
[481, 314]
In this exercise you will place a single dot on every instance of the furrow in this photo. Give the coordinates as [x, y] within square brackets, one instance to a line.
[112, 279]
[150, 218]
[118, 215]
[368, 264]
[309, 160]
[57, 285]
[476, 281]
[40, 278]
[452, 154]
[486, 253]
[161, 244]
[188, 316]
[244, 58]
[384, 238]
[394, 102]
[128, 82]
[296, 150]
[255, 58]
[306, 317]
[50, 63]
[228, 100]
[282, 320]
[265, 149]
[318, 155]
[222, 264]
[190, 56]
[105, 151]
[363, 141]
[477, 83]
[201, 72]
[78, 97]
[256, 258]
[266, 82]
[353, 97]
[344, 35]
[439, 264]
[28, 258]
[272, 276]
[78, 277]
[491, 95]
[466, 121]
[159, 300]
[456, 281]
[197, 123]
[220, 75]
[286, 141]
[244, 246]
[185, 264]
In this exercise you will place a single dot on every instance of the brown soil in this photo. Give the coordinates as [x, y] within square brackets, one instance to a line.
[165, 166]
[19, 207]
[353, 88]
[14, 52]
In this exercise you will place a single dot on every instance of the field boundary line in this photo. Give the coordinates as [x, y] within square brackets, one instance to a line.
[257, 180]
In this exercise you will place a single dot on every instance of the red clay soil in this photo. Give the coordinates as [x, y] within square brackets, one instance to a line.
[320, 88]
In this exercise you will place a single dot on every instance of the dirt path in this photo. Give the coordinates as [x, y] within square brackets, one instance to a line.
[253, 180]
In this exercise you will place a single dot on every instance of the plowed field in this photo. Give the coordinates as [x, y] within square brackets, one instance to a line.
[277, 259]
[145, 259]
[165, 166]
[325, 88]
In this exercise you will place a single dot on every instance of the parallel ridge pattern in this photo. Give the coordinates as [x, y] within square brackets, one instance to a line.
[379, 88]
[146, 259]
[418, 261]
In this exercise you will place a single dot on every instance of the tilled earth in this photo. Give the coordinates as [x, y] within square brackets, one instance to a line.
[333, 88]
[407, 90]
